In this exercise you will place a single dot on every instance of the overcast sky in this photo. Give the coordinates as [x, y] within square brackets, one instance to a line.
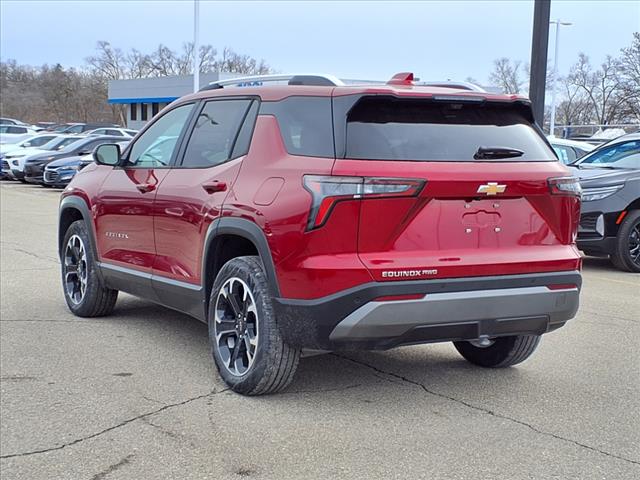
[435, 39]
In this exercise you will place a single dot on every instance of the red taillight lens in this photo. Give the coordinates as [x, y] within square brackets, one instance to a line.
[565, 186]
[326, 191]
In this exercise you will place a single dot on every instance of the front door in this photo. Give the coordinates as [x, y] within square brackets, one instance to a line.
[124, 210]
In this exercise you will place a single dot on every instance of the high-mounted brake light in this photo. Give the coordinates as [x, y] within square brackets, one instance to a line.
[403, 78]
[565, 186]
[326, 191]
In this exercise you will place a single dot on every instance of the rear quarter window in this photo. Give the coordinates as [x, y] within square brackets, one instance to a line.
[305, 124]
[390, 128]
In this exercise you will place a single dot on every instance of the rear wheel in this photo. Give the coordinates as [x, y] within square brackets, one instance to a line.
[247, 347]
[84, 292]
[627, 254]
[500, 352]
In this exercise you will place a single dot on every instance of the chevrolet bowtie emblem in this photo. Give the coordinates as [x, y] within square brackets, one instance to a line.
[491, 188]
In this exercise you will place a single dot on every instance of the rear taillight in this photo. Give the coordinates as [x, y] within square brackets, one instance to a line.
[565, 186]
[326, 191]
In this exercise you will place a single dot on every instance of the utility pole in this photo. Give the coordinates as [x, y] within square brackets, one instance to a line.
[196, 46]
[539, 48]
[558, 23]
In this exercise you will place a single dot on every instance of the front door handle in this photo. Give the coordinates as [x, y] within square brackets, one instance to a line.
[145, 187]
[214, 186]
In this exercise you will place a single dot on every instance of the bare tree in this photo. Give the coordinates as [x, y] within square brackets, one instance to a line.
[507, 75]
[628, 95]
[599, 86]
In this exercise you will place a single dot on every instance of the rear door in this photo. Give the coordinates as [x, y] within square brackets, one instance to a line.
[192, 194]
[483, 203]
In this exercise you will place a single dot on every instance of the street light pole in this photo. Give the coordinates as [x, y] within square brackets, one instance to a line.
[552, 123]
[196, 46]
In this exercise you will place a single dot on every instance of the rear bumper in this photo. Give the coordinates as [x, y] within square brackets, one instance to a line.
[450, 309]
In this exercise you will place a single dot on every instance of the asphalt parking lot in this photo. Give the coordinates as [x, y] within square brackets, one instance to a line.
[135, 395]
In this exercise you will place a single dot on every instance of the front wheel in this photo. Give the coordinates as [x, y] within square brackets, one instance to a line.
[84, 292]
[627, 254]
[248, 350]
[500, 352]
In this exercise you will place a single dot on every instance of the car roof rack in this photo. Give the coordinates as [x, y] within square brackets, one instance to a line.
[457, 85]
[291, 79]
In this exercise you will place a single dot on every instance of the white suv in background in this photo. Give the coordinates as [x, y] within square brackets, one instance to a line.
[15, 133]
[117, 132]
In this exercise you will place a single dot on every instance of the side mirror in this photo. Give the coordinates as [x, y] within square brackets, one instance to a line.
[107, 154]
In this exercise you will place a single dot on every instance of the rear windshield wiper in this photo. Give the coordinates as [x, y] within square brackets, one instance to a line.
[487, 153]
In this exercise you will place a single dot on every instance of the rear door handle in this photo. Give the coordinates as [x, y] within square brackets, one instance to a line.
[145, 187]
[214, 186]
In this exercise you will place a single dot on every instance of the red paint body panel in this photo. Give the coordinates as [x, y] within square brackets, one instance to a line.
[124, 217]
[308, 264]
[183, 211]
[451, 229]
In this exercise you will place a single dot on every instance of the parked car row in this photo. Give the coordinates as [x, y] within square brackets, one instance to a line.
[12, 130]
[52, 159]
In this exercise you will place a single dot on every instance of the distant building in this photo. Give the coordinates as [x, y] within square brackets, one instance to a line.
[145, 97]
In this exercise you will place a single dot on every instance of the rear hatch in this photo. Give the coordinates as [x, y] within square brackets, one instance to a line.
[455, 187]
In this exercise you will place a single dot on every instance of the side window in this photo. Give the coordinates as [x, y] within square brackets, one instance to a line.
[99, 131]
[565, 154]
[306, 124]
[115, 133]
[155, 147]
[215, 133]
[614, 153]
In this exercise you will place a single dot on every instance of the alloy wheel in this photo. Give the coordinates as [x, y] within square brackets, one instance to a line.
[236, 326]
[634, 244]
[75, 269]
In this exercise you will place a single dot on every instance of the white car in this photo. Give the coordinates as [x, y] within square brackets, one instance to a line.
[11, 121]
[15, 133]
[31, 142]
[16, 158]
[118, 132]
[569, 151]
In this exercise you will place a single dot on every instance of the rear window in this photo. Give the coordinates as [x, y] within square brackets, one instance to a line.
[389, 128]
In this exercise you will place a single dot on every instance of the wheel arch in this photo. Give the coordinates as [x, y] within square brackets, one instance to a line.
[74, 208]
[251, 240]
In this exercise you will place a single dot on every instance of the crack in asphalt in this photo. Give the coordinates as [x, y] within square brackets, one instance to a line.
[486, 410]
[35, 255]
[114, 427]
[112, 468]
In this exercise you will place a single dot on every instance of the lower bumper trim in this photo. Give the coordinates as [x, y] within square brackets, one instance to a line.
[497, 311]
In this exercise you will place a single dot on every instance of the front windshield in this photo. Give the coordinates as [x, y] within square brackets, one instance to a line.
[58, 143]
[620, 155]
[75, 143]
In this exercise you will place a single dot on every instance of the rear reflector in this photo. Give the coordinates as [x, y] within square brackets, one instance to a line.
[393, 298]
[326, 191]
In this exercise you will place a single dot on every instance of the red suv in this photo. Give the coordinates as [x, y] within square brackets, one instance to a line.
[297, 213]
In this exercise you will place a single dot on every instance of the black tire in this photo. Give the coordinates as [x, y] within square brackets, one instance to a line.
[96, 300]
[504, 352]
[273, 363]
[22, 180]
[627, 238]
